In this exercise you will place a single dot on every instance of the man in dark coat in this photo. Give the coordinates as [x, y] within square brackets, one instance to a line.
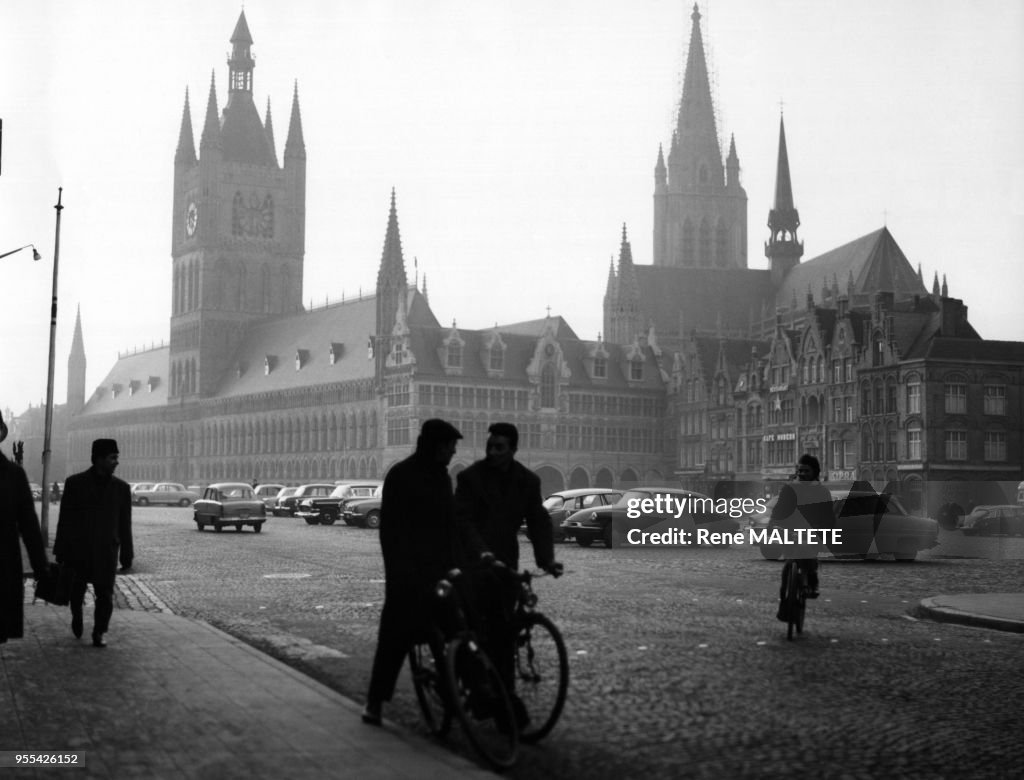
[94, 530]
[17, 518]
[492, 499]
[419, 543]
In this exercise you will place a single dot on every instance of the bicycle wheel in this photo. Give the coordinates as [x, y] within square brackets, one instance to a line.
[481, 703]
[426, 667]
[542, 675]
[791, 600]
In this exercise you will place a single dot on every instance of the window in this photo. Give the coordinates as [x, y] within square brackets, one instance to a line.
[454, 354]
[995, 445]
[848, 367]
[787, 410]
[837, 372]
[600, 367]
[497, 358]
[837, 410]
[837, 454]
[865, 400]
[636, 370]
[914, 398]
[849, 410]
[398, 431]
[956, 398]
[956, 445]
[914, 443]
[848, 459]
[547, 386]
[995, 399]
[890, 397]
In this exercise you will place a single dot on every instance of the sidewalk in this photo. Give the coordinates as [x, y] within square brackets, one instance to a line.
[172, 697]
[1001, 611]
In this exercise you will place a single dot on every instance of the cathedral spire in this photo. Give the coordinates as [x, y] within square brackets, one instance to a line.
[210, 138]
[295, 146]
[783, 248]
[186, 151]
[696, 112]
[268, 126]
[76, 367]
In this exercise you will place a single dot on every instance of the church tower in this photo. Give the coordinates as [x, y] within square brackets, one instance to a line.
[782, 248]
[392, 287]
[76, 368]
[622, 319]
[700, 209]
[238, 226]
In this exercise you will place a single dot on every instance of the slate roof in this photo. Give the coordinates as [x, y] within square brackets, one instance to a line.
[536, 327]
[132, 372]
[967, 350]
[243, 137]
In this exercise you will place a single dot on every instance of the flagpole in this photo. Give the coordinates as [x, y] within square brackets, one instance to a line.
[44, 514]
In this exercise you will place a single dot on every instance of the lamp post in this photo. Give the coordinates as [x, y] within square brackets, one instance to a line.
[44, 514]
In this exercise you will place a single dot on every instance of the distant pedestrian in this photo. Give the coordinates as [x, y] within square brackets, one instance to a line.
[95, 530]
[17, 519]
[420, 545]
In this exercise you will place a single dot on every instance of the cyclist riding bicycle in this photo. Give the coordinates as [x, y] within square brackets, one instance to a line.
[492, 499]
[803, 504]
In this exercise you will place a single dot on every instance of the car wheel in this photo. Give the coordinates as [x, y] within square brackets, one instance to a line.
[199, 526]
[184, 502]
[238, 527]
[583, 542]
[327, 521]
[607, 536]
[218, 528]
[312, 521]
[373, 520]
[257, 527]
[143, 502]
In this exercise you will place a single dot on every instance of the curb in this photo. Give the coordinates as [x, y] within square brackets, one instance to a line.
[932, 609]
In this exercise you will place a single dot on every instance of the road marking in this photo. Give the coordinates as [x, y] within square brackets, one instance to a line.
[285, 575]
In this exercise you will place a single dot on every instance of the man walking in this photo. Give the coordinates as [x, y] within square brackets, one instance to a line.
[419, 543]
[94, 529]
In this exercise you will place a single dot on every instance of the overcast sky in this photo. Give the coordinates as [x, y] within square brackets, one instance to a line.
[519, 137]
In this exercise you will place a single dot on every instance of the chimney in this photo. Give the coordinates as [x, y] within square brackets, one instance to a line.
[954, 315]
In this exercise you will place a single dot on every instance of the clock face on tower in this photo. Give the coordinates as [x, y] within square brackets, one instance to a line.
[191, 219]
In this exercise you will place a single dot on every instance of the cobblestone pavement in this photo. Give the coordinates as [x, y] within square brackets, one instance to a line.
[678, 667]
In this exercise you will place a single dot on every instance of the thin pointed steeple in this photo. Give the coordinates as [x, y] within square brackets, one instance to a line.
[783, 209]
[186, 151]
[696, 113]
[210, 138]
[660, 172]
[76, 367]
[268, 126]
[783, 248]
[945, 287]
[935, 285]
[920, 276]
[295, 146]
[241, 63]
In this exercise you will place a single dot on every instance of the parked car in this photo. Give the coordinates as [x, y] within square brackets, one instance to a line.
[287, 505]
[267, 492]
[995, 520]
[872, 525]
[327, 510]
[364, 513]
[229, 504]
[590, 525]
[274, 504]
[563, 503]
[170, 493]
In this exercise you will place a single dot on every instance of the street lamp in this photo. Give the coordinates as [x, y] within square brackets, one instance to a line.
[35, 252]
[44, 514]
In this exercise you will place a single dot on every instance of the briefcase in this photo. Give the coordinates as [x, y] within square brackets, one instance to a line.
[54, 586]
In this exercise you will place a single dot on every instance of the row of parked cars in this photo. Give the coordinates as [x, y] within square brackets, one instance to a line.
[354, 502]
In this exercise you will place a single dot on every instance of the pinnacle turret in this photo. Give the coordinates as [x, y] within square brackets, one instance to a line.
[295, 146]
[210, 138]
[186, 151]
[268, 127]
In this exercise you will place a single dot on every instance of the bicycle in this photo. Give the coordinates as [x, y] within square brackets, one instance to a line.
[454, 678]
[541, 664]
[794, 596]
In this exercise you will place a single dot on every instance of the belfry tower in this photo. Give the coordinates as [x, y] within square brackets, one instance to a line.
[237, 228]
[700, 209]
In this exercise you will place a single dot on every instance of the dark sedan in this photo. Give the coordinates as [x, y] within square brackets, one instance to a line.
[365, 513]
[563, 503]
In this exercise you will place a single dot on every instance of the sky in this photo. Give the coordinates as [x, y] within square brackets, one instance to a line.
[519, 137]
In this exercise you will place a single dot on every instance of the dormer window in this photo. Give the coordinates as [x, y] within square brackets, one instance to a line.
[115, 389]
[152, 383]
[496, 360]
[636, 370]
[398, 353]
[301, 358]
[600, 367]
[269, 364]
[454, 354]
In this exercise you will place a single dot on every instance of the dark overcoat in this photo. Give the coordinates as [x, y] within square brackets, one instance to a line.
[492, 504]
[17, 518]
[95, 527]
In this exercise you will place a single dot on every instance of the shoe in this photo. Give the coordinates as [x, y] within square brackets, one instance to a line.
[76, 625]
[371, 715]
[813, 594]
[97, 640]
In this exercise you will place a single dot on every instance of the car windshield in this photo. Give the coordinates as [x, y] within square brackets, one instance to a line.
[285, 492]
[553, 502]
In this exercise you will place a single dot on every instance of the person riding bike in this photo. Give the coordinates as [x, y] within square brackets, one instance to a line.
[492, 499]
[803, 504]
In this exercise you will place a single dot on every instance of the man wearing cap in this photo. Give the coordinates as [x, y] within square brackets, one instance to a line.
[94, 530]
[420, 545]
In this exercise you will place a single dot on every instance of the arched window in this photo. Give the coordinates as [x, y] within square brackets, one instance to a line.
[547, 386]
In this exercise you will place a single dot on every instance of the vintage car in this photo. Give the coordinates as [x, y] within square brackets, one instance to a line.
[170, 493]
[611, 522]
[229, 504]
[273, 504]
[872, 525]
[327, 510]
[563, 503]
[287, 505]
[267, 493]
[995, 520]
[364, 513]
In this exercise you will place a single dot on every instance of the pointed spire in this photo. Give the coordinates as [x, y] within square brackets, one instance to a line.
[241, 34]
[920, 276]
[425, 296]
[392, 264]
[240, 63]
[211, 127]
[696, 113]
[295, 146]
[945, 288]
[660, 172]
[783, 215]
[935, 284]
[77, 343]
[186, 151]
[268, 126]
[850, 285]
